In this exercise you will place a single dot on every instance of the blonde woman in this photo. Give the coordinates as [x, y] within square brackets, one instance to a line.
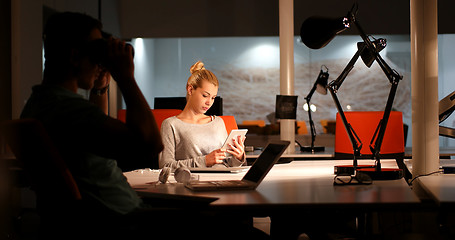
[194, 139]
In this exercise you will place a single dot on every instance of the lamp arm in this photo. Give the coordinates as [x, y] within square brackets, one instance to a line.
[310, 119]
[380, 130]
[394, 79]
[391, 74]
[336, 84]
[310, 94]
[446, 107]
[355, 140]
[312, 128]
[446, 132]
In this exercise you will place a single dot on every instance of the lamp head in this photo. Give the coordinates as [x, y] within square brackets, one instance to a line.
[368, 55]
[321, 82]
[317, 32]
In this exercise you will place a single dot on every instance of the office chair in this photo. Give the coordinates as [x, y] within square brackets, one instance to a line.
[180, 102]
[32, 146]
[58, 198]
[161, 114]
[230, 123]
[302, 129]
[364, 124]
[259, 123]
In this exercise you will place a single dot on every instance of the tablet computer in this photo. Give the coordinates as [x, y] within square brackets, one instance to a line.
[233, 134]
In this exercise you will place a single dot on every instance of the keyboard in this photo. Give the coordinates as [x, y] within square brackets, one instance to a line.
[219, 185]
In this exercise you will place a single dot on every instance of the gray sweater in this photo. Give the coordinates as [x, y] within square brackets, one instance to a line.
[187, 144]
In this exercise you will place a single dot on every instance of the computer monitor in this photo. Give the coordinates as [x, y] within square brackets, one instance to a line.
[180, 102]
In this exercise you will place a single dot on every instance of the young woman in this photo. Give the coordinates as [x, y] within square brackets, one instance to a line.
[194, 139]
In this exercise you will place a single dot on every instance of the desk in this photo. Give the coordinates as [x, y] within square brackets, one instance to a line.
[293, 191]
[440, 187]
[327, 140]
[295, 185]
[444, 152]
[299, 155]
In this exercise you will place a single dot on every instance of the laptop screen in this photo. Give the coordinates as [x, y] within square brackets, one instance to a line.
[265, 161]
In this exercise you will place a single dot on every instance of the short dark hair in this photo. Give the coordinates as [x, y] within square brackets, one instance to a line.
[62, 33]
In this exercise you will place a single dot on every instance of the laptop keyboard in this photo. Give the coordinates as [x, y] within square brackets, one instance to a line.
[229, 183]
[220, 184]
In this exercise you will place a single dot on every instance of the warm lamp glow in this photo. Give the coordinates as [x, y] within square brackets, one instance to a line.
[312, 107]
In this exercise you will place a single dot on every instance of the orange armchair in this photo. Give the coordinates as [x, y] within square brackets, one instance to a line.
[230, 123]
[364, 125]
[161, 114]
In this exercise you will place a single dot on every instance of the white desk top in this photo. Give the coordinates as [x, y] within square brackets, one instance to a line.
[297, 184]
[328, 153]
[440, 187]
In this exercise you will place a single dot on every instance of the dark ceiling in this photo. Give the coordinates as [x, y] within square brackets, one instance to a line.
[219, 18]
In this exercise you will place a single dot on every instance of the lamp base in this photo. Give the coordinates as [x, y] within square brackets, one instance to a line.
[383, 173]
[312, 149]
[348, 169]
[370, 170]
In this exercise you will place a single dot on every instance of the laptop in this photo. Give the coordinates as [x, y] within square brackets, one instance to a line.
[222, 169]
[252, 178]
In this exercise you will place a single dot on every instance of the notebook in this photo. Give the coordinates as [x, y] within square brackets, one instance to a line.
[218, 170]
[252, 178]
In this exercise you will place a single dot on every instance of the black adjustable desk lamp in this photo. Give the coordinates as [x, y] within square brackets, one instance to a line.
[316, 32]
[321, 87]
[446, 107]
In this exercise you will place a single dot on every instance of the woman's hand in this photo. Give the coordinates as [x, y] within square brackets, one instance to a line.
[215, 157]
[238, 148]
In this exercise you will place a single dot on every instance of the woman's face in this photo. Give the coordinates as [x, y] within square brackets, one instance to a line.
[201, 98]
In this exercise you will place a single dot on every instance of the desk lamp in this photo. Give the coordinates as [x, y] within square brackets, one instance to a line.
[316, 32]
[321, 87]
[446, 107]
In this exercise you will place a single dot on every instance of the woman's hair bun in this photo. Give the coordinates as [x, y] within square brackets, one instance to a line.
[196, 67]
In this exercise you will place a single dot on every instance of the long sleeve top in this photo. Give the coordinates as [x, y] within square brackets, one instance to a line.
[187, 144]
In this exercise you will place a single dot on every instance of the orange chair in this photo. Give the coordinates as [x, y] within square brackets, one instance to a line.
[260, 123]
[230, 123]
[302, 129]
[161, 114]
[364, 125]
